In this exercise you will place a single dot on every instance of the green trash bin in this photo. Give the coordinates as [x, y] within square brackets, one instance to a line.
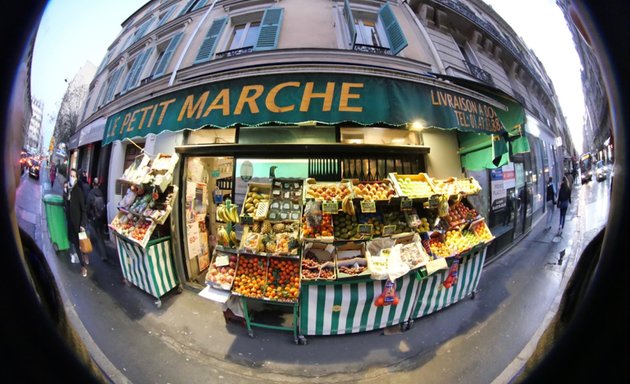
[56, 218]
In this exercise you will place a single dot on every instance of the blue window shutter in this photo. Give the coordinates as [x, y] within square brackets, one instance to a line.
[200, 4]
[136, 70]
[350, 21]
[269, 29]
[111, 87]
[167, 15]
[166, 57]
[397, 40]
[186, 7]
[210, 42]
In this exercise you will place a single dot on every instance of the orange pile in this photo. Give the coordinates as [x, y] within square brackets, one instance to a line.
[250, 276]
[324, 229]
[283, 280]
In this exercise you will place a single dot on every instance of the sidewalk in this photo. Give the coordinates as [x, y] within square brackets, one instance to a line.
[187, 339]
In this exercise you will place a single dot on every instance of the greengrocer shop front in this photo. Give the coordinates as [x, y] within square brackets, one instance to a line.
[343, 197]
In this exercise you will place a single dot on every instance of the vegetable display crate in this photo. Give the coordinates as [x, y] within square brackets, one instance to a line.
[433, 295]
[150, 269]
[341, 307]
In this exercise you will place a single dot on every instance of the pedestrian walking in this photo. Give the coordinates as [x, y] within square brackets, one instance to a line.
[564, 199]
[85, 186]
[574, 173]
[551, 202]
[53, 173]
[77, 217]
[96, 217]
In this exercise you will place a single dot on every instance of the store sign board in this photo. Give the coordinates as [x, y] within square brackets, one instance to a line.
[295, 98]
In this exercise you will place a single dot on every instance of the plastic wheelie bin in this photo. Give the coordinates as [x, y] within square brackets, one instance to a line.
[56, 218]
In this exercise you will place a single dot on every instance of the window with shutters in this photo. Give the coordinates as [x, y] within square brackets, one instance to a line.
[135, 69]
[165, 50]
[111, 86]
[254, 32]
[166, 15]
[371, 30]
[192, 5]
[140, 32]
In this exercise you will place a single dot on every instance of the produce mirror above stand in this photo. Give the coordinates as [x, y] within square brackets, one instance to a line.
[361, 256]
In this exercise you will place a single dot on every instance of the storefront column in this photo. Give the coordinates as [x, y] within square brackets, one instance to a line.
[116, 168]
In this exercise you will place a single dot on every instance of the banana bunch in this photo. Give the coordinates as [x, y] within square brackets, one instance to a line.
[347, 206]
[443, 205]
[225, 238]
[228, 215]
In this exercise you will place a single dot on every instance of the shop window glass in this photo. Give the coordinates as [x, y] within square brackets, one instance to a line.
[212, 136]
[244, 35]
[380, 136]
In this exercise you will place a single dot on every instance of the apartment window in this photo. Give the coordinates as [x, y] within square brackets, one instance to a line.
[244, 35]
[166, 15]
[136, 67]
[374, 32]
[192, 5]
[165, 51]
[210, 41]
[105, 61]
[112, 82]
[139, 33]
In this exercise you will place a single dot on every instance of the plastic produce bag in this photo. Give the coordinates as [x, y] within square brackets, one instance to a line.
[395, 266]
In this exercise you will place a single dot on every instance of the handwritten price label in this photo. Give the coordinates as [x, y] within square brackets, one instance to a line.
[368, 206]
[330, 207]
[221, 260]
[389, 230]
[406, 204]
[247, 219]
[365, 229]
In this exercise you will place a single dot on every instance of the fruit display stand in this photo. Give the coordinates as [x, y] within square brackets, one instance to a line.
[146, 261]
[149, 268]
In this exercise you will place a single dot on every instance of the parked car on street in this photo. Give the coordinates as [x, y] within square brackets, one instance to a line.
[33, 169]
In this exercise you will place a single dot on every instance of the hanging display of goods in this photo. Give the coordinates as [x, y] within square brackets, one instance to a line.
[412, 186]
[373, 190]
[327, 191]
[283, 280]
[251, 274]
[161, 204]
[222, 270]
[256, 203]
[136, 172]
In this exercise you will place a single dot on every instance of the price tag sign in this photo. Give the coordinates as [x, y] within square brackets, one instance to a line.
[365, 229]
[368, 206]
[330, 207]
[246, 219]
[389, 230]
[221, 260]
[406, 204]
[436, 265]
[434, 201]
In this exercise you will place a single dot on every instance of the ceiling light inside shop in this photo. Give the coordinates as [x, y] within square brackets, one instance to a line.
[417, 125]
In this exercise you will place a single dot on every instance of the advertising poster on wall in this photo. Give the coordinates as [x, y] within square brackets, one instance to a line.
[499, 196]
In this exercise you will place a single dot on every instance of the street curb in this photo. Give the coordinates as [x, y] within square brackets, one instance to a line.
[514, 369]
[106, 366]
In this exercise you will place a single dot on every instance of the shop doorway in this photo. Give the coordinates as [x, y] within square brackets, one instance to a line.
[520, 200]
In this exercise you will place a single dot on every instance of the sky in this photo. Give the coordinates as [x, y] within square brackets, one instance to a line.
[71, 33]
[75, 31]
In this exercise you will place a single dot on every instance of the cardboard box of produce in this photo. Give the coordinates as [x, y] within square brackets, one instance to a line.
[351, 261]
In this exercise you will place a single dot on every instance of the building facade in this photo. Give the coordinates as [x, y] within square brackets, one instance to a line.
[597, 123]
[228, 80]
[34, 134]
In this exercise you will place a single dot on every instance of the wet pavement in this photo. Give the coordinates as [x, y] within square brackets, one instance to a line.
[187, 341]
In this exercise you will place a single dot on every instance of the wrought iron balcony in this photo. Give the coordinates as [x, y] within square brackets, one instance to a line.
[372, 49]
[235, 52]
[479, 73]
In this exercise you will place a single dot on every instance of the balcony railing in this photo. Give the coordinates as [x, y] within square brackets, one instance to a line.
[235, 52]
[479, 73]
[372, 49]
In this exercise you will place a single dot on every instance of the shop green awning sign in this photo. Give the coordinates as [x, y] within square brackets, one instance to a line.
[295, 98]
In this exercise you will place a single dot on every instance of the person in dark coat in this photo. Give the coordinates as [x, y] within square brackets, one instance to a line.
[564, 199]
[53, 173]
[551, 202]
[96, 218]
[85, 186]
[76, 216]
